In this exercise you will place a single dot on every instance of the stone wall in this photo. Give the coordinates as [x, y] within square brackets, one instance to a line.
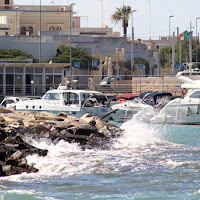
[139, 85]
[109, 44]
[95, 46]
[48, 48]
[167, 84]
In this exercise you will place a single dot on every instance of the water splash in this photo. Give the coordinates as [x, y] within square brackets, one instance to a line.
[69, 159]
[137, 132]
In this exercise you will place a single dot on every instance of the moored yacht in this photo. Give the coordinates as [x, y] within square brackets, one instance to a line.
[184, 110]
[72, 102]
[147, 101]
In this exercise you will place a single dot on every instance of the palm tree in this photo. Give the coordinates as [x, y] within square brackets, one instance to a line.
[122, 14]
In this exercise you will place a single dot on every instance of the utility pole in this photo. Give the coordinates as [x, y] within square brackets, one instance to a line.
[40, 33]
[179, 42]
[132, 44]
[190, 44]
[173, 52]
[197, 41]
[70, 32]
[170, 43]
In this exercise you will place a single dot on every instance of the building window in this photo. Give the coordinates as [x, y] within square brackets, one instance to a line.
[18, 69]
[58, 70]
[52, 28]
[30, 30]
[23, 30]
[38, 70]
[9, 70]
[57, 80]
[7, 3]
[59, 28]
[9, 84]
[48, 70]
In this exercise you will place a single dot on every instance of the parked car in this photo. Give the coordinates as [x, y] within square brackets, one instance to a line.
[106, 81]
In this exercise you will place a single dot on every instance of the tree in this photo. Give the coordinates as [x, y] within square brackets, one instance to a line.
[63, 56]
[184, 53]
[123, 15]
[138, 61]
[14, 54]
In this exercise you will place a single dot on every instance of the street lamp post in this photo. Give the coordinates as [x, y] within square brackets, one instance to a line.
[70, 32]
[169, 40]
[132, 44]
[16, 20]
[40, 33]
[196, 40]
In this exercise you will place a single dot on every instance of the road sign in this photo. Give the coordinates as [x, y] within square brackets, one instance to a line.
[140, 66]
[180, 65]
[176, 66]
[94, 63]
[76, 64]
[155, 66]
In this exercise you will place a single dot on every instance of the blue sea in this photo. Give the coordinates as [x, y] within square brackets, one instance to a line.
[148, 161]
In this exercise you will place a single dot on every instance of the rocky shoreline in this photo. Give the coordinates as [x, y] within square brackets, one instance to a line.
[18, 128]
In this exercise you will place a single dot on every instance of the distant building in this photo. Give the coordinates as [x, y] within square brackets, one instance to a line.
[26, 20]
[30, 79]
[20, 28]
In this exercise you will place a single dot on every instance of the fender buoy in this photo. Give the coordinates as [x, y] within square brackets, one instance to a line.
[188, 111]
[198, 109]
[184, 91]
[121, 100]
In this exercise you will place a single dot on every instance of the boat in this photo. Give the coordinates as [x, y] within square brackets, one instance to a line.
[148, 101]
[73, 102]
[12, 100]
[185, 110]
[126, 96]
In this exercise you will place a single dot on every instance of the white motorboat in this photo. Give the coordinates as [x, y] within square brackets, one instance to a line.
[12, 100]
[147, 101]
[184, 110]
[73, 102]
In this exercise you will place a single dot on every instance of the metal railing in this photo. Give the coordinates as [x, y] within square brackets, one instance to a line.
[92, 82]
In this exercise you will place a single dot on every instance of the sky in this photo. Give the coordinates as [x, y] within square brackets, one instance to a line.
[150, 21]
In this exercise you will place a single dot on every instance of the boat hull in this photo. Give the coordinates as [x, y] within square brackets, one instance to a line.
[126, 110]
[180, 111]
[55, 108]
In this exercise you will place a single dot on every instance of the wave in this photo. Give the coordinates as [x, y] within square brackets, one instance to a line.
[140, 147]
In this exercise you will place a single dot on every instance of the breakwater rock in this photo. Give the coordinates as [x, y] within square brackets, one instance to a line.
[18, 128]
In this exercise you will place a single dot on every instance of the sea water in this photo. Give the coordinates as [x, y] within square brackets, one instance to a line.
[148, 161]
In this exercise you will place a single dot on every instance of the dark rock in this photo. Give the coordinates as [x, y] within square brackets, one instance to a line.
[2, 173]
[17, 128]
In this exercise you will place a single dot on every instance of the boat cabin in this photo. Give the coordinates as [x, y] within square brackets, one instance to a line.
[155, 97]
[79, 98]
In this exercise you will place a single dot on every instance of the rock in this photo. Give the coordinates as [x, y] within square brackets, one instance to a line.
[17, 128]
[107, 129]
[13, 151]
[16, 155]
[2, 172]
[6, 110]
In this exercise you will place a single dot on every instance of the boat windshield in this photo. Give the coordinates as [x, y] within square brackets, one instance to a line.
[52, 96]
[70, 98]
[90, 100]
[195, 95]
